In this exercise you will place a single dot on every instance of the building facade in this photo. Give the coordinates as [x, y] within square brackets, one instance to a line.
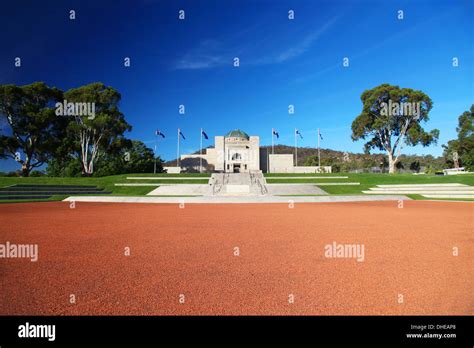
[237, 152]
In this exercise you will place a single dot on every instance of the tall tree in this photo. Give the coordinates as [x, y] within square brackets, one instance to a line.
[133, 157]
[463, 146]
[391, 118]
[98, 132]
[140, 159]
[35, 133]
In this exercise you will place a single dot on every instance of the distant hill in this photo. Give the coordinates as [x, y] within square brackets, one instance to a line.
[350, 161]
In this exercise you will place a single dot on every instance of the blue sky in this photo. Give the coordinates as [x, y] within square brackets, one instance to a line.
[282, 62]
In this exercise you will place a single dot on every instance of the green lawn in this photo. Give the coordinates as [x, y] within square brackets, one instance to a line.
[366, 181]
[107, 183]
[370, 180]
[270, 175]
[182, 175]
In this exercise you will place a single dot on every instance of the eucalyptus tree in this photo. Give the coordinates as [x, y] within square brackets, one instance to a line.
[391, 118]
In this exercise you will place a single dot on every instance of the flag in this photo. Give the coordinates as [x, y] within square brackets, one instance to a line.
[276, 133]
[298, 132]
[181, 133]
[205, 135]
[159, 133]
[320, 135]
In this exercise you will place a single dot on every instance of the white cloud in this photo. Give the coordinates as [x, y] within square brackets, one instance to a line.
[305, 44]
[207, 54]
[212, 53]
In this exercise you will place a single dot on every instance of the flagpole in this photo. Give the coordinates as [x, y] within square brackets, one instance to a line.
[200, 157]
[272, 141]
[156, 141]
[177, 151]
[319, 152]
[296, 150]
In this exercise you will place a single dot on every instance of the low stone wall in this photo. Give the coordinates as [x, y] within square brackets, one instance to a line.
[315, 169]
[172, 170]
[283, 163]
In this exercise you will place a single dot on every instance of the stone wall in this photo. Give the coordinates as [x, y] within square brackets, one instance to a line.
[284, 164]
[314, 169]
[219, 153]
[280, 163]
[172, 170]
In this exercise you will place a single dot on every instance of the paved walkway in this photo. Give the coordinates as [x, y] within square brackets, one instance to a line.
[294, 189]
[234, 199]
[182, 189]
[309, 184]
[207, 177]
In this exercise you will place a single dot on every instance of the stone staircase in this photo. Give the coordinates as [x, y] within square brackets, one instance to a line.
[451, 190]
[42, 191]
[259, 184]
[238, 184]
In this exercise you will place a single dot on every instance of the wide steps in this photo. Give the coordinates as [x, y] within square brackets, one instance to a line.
[238, 184]
[9, 193]
[31, 191]
[451, 190]
[52, 186]
[24, 197]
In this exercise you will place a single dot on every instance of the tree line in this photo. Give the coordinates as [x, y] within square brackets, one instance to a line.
[77, 132]
[81, 132]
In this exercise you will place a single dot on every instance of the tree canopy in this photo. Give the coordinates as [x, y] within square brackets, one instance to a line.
[391, 117]
[98, 133]
[35, 133]
[463, 146]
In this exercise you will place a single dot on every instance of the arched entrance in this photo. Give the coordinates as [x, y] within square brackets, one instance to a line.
[237, 165]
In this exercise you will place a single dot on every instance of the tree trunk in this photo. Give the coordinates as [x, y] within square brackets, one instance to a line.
[25, 167]
[391, 164]
[25, 172]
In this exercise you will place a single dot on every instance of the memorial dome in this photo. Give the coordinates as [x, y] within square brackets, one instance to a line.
[237, 133]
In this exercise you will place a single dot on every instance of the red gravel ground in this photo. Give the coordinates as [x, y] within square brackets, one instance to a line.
[190, 251]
